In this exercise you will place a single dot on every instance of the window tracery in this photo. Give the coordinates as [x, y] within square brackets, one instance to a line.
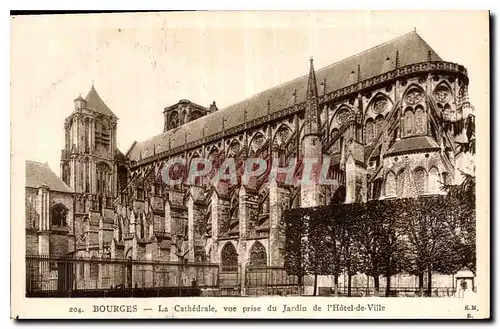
[408, 121]
[258, 255]
[58, 214]
[419, 180]
[390, 184]
[229, 258]
[413, 97]
[420, 121]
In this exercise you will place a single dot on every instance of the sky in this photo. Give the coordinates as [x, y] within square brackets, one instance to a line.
[141, 63]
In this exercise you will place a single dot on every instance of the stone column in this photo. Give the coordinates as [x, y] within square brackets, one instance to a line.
[168, 218]
[190, 212]
[356, 184]
[92, 135]
[101, 234]
[72, 179]
[310, 189]
[275, 212]
[215, 215]
[93, 175]
[242, 212]
[350, 180]
[242, 262]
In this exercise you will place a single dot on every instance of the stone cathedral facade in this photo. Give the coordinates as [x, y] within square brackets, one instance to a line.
[388, 118]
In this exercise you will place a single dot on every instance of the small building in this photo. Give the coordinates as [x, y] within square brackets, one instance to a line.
[49, 212]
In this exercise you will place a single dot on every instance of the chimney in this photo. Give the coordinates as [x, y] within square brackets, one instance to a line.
[213, 108]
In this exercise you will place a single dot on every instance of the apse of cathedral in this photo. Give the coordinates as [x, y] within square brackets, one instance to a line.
[388, 119]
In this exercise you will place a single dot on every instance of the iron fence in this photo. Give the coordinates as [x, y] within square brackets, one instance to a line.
[49, 276]
[270, 281]
[394, 292]
[46, 276]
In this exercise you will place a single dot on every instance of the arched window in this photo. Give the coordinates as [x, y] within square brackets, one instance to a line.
[58, 215]
[342, 117]
[103, 179]
[434, 180]
[66, 174]
[258, 255]
[281, 136]
[87, 175]
[174, 120]
[256, 144]
[390, 184]
[105, 134]
[401, 183]
[369, 131]
[408, 122]
[229, 258]
[419, 181]
[233, 149]
[420, 122]
[87, 135]
[377, 189]
[379, 124]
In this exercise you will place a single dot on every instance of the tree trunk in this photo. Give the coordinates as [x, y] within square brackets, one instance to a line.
[376, 282]
[300, 284]
[349, 280]
[336, 285]
[315, 284]
[388, 286]
[429, 281]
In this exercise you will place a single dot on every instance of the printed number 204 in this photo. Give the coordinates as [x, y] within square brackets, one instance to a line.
[75, 310]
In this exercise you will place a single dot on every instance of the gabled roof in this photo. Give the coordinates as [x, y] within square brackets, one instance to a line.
[95, 102]
[405, 50]
[39, 174]
[410, 144]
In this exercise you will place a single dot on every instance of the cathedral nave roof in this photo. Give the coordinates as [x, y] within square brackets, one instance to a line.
[407, 49]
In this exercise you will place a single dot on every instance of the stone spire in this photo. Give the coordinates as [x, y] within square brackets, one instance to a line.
[312, 123]
[310, 189]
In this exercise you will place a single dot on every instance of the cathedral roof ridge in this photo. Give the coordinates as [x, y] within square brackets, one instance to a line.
[375, 61]
[398, 38]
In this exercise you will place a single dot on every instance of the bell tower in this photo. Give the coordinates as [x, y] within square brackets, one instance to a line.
[88, 158]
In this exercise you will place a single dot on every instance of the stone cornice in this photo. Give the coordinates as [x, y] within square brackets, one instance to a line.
[417, 68]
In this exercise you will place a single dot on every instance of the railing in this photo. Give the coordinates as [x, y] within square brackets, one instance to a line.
[270, 281]
[67, 276]
[394, 292]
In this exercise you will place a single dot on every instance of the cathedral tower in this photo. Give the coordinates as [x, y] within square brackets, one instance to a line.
[88, 160]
